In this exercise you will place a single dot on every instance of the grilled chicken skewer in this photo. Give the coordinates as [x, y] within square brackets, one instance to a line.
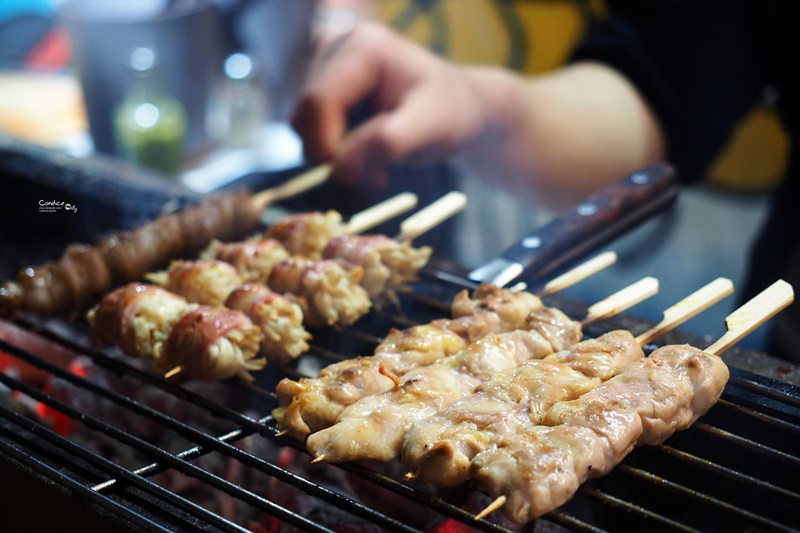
[535, 471]
[145, 321]
[375, 426]
[312, 404]
[68, 286]
[440, 448]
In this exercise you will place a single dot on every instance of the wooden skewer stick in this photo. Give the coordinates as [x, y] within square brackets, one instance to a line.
[294, 186]
[381, 212]
[174, 372]
[579, 273]
[753, 314]
[687, 308]
[492, 507]
[621, 300]
[431, 216]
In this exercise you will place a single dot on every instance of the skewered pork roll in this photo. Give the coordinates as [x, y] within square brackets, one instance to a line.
[306, 234]
[254, 259]
[280, 319]
[212, 343]
[71, 284]
[138, 318]
[389, 265]
[204, 281]
[329, 295]
[374, 427]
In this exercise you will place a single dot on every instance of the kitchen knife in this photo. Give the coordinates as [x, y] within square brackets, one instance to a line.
[572, 235]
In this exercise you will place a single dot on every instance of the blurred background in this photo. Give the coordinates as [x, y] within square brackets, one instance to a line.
[198, 91]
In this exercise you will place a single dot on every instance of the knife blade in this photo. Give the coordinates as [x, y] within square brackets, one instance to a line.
[572, 235]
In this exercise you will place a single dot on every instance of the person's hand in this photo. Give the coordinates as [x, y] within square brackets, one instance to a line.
[554, 138]
[424, 106]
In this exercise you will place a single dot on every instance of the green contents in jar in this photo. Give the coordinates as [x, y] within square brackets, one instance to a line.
[152, 134]
[150, 124]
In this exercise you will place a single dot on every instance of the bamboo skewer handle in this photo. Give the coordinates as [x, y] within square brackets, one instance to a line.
[579, 273]
[381, 212]
[687, 308]
[299, 184]
[753, 314]
[431, 216]
[621, 300]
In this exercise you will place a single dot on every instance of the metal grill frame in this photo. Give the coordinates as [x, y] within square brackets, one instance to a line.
[138, 503]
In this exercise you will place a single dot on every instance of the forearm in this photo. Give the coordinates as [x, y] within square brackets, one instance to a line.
[563, 135]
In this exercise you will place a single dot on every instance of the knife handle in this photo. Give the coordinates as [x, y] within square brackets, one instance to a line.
[597, 220]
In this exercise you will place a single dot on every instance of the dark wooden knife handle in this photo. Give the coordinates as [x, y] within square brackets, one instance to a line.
[600, 218]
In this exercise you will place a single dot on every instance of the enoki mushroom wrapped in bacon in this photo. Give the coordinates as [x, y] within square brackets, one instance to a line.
[253, 258]
[212, 343]
[307, 234]
[204, 281]
[328, 294]
[280, 319]
[207, 343]
[137, 318]
[215, 282]
[389, 265]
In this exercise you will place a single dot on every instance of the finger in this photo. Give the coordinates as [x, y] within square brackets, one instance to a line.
[432, 122]
[348, 71]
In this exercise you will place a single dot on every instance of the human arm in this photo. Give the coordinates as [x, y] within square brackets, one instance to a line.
[559, 136]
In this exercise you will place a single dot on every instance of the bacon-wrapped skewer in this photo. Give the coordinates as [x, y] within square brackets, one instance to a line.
[137, 318]
[329, 294]
[204, 281]
[279, 318]
[307, 234]
[214, 282]
[68, 286]
[212, 343]
[208, 343]
[388, 264]
[253, 258]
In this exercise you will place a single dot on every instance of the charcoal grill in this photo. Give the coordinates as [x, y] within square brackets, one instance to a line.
[85, 452]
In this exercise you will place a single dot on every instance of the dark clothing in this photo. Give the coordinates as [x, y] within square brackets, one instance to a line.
[702, 65]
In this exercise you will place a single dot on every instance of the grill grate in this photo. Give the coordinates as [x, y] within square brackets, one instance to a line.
[735, 469]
